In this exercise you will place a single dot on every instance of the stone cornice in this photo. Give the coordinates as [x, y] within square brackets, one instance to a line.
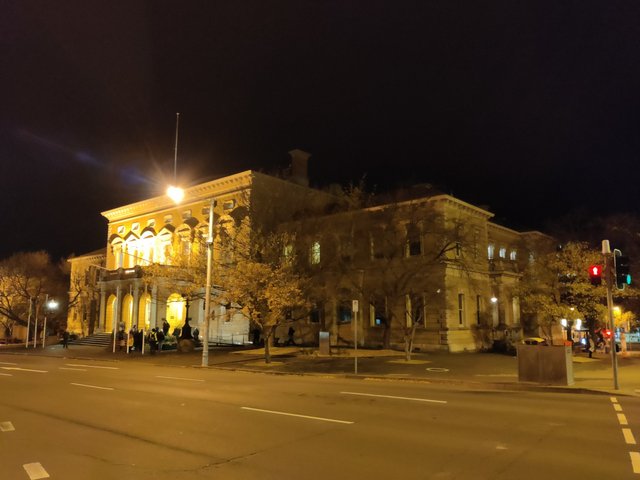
[504, 229]
[197, 193]
[477, 211]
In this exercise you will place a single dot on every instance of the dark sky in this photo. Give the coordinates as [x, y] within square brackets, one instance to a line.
[528, 107]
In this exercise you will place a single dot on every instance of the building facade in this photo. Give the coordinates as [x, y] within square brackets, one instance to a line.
[432, 268]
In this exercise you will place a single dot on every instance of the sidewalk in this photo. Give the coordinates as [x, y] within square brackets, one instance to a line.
[477, 370]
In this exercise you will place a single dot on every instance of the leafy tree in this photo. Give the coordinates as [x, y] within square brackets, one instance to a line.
[556, 285]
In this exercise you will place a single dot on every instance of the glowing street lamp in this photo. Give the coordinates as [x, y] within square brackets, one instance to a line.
[49, 306]
[176, 194]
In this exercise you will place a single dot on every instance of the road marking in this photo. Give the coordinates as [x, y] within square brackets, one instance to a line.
[622, 419]
[7, 363]
[496, 374]
[6, 427]
[635, 461]
[628, 436]
[6, 375]
[24, 369]
[91, 386]
[35, 471]
[394, 397]
[297, 415]
[613, 399]
[437, 369]
[74, 369]
[91, 366]
[181, 378]
[617, 407]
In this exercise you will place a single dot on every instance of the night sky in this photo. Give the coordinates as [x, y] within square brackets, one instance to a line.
[529, 108]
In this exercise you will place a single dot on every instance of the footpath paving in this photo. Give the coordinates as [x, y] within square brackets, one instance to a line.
[474, 370]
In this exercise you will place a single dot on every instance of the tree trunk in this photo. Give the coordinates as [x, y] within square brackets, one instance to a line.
[267, 344]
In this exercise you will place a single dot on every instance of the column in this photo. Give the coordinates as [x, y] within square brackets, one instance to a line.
[103, 309]
[153, 317]
[136, 305]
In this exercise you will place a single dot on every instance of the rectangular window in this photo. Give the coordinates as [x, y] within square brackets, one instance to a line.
[503, 252]
[478, 308]
[461, 308]
[317, 312]
[458, 250]
[377, 316]
[490, 251]
[344, 311]
[414, 242]
[315, 253]
[287, 253]
[512, 255]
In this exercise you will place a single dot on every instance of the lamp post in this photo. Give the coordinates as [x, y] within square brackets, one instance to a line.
[49, 306]
[177, 194]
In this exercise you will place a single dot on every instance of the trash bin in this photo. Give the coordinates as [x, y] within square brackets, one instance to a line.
[323, 342]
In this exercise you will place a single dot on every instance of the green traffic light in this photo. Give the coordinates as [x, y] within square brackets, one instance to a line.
[628, 279]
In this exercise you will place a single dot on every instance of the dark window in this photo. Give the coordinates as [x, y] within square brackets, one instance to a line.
[344, 312]
[317, 312]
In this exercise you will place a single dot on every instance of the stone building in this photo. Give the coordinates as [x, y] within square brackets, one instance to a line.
[424, 264]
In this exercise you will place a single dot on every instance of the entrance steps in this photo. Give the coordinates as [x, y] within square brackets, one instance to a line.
[95, 340]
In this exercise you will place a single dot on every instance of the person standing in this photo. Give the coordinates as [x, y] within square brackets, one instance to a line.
[153, 340]
[65, 339]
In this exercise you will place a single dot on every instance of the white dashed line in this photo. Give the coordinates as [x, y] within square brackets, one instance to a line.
[296, 415]
[74, 369]
[635, 461]
[6, 427]
[622, 419]
[6, 375]
[35, 471]
[24, 369]
[394, 397]
[613, 399]
[628, 436]
[91, 366]
[91, 386]
[617, 407]
[180, 378]
[7, 363]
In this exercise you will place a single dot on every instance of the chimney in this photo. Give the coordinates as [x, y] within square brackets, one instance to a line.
[299, 166]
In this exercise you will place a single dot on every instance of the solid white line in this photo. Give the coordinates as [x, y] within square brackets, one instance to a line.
[74, 369]
[394, 397]
[24, 369]
[91, 386]
[296, 415]
[622, 419]
[91, 366]
[180, 378]
[617, 407]
[35, 471]
[613, 399]
[635, 461]
[7, 363]
[628, 436]
[6, 427]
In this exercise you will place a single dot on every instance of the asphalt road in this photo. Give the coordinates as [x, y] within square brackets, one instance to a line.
[83, 419]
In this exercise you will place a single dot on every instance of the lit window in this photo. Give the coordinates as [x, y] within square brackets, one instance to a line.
[121, 229]
[461, 308]
[532, 257]
[186, 214]
[377, 312]
[315, 253]
[135, 227]
[287, 253]
[228, 204]
[503, 252]
[151, 222]
[344, 311]
[512, 255]
[490, 251]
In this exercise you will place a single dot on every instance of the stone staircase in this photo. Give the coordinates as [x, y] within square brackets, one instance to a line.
[95, 340]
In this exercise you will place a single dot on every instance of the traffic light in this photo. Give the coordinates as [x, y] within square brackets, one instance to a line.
[621, 265]
[595, 275]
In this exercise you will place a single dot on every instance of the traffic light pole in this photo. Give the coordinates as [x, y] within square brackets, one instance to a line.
[610, 274]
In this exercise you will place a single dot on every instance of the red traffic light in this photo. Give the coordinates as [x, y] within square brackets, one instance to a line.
[595, 274]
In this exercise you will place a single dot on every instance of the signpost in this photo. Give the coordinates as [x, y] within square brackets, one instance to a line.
[354, 308]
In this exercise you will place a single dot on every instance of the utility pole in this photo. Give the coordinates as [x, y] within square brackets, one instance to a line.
[610, 275]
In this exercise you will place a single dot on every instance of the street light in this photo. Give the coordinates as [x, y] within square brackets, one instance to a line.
[177, 194]
[49, 306]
